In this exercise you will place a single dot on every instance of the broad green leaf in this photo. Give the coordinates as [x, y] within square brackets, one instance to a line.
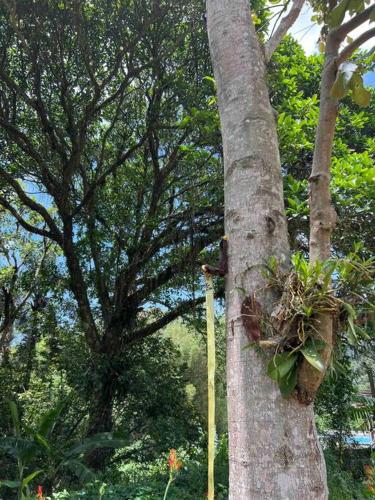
[372, 15]
[15, 418]
[30, 477]
[339, 88]
[48, 421]
[356, 6]
[42, 441]
[311, 355]
[10, 484]
[280, 365]
[83, 473]
[18, 447]
[102, 440]
[356, 81]
[336, 16]
[361, 96]
[288, 383]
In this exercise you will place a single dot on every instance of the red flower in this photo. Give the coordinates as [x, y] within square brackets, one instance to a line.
[40, 492]
[368, 470]
[173, 463]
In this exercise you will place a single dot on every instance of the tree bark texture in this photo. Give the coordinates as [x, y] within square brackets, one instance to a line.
[274, 451]
[322, 214]
[100, 418]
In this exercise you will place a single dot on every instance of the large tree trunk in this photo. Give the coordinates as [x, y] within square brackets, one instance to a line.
[274, 451]
[100, 416]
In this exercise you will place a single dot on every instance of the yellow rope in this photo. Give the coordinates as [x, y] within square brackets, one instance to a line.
[210, 316]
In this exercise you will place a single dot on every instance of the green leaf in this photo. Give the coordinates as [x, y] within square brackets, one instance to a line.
[355, 81]
[361, 96]
[336, 16]
[288, 383]
[48, 421]
[356, 6]
[30, 477]
[352, 334]
[42, 441]
[311, 355]
[10, 484]
[83, 473]
[102, 440]
[15, 418]
[372, 15]
[339, 88]
[280, 365]
[349, 309]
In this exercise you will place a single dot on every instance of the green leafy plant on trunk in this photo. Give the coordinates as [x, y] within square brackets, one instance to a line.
[306, 292]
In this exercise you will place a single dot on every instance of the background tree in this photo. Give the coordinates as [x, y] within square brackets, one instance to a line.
[110, 157]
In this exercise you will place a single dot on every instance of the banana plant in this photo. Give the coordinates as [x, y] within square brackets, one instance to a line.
[26, 448]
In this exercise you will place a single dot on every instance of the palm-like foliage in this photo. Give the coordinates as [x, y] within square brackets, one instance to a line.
[29, 446]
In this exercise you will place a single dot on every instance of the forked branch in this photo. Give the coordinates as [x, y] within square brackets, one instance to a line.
[285, 24]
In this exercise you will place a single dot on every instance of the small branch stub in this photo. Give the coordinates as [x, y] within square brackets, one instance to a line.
[222, 269]
[250, 315]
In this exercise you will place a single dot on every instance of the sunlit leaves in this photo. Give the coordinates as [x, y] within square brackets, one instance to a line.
[339, 88]
[349, 78]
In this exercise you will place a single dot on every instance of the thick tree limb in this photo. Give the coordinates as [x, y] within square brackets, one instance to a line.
[32, 229]
[285, 24]
[27, 147]
[349, 49]
[342, 31]
[151, 328]
[79, 288]
[33, 205]
[101, 284]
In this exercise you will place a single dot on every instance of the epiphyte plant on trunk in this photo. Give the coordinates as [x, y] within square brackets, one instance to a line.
[274, 450]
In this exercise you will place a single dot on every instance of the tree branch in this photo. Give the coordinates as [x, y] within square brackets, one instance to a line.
[349, 49]
[151, 328]
[32, 229]
[342, 31]
[110, 170]
[33, 205]
[285, 24]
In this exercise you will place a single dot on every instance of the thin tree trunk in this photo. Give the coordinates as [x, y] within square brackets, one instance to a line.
[274, 451]
[322, 213]
[30, 350]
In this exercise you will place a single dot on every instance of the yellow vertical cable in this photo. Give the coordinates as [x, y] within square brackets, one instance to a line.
[210, 318]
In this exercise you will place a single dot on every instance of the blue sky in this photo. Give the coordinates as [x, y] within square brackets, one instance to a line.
[369, 79]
